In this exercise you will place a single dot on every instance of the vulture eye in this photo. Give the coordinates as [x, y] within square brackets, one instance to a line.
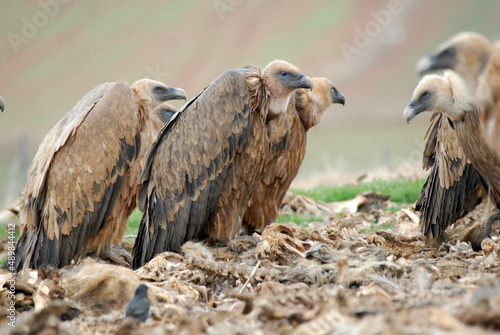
[284, 74]
[448, 53]
[160, 90]
[425, 95]
[167, 113]
[445, 52]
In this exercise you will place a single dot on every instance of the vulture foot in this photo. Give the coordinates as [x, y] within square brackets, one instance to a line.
[115, 253]
[489, 223]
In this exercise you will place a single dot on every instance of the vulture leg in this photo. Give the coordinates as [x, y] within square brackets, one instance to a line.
[113, 253]
[489, 223]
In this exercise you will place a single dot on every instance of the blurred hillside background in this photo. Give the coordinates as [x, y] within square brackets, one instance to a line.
[52, 52]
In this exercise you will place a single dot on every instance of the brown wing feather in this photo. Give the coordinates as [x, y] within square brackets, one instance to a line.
[127, 198]
[453, 187]
[185, 168]
[240, 183]
[76, 175]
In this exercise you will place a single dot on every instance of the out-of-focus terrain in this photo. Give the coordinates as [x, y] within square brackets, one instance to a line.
[55, 51]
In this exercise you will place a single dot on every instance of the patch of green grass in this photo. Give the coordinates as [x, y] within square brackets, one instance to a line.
[400, 191]
[394, 208]
[380, 227]
[133, 222]
[4, 229]
[301, 220]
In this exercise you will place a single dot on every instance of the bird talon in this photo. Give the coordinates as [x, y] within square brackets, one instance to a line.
[114, 254]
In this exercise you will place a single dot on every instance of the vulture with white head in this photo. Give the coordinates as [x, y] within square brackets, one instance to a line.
[453, 187]
[448, 95]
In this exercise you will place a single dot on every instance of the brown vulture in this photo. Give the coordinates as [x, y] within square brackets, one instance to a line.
[449, 96]
[285, 158]
[200, 172]
[82, 183]
[453, 186]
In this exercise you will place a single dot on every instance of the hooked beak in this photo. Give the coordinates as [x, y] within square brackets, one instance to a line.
[174, 93]
[337, 97]
[410, 111]
[303, 81]
[437, 61]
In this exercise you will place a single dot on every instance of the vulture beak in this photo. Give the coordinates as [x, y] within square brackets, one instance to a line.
[303, 81]
[2, 105]
[337, 97]
[411, 111]
[442, 60]
[174, 93]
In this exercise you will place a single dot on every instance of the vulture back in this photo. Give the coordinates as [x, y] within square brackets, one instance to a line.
[192, 169]
[76, 175]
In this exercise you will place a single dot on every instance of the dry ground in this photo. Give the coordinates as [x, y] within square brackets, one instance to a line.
[330, 277]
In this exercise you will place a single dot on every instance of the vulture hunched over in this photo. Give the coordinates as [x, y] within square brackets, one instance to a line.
[453, 187]
[200, 173]
[82, 183]
[449, 96]
[284, 160]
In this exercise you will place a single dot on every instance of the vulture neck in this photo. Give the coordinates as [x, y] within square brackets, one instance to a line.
[142, 111]
[278, 106]
[311, 116]
[484, 160]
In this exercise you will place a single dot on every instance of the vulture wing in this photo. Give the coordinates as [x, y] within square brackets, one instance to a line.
[186, 170]
[76, 175]
[453, 187]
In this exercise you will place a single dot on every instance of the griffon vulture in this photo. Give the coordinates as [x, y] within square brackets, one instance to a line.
[284, 160]
[449, 96]
[200, 172]
[82, 183]
[453, 187]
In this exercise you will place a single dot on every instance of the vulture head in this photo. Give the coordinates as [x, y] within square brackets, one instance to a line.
[281, 79]
[152, 92]
[466, 53]
[161, 114]
[446, 94]
[325, 93]
[2, 104]
[164, 112]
